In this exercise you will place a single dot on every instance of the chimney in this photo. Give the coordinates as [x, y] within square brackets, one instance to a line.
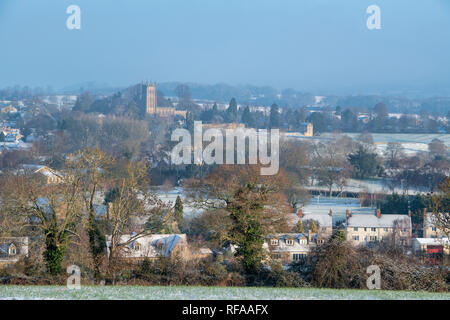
[309, 235]
[347, 213]
[300, 213]
[331, 212]
[378, 213]
[409, 212]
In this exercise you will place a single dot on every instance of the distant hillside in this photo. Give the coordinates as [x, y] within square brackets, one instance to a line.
[265, 95]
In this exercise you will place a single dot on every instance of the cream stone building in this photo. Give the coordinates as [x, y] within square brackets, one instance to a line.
[364, 229]
[291, 247]
[49, 175]
[151, 247]
[429, 226]
[149, 98]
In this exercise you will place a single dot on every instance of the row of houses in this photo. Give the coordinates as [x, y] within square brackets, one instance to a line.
[131, 248]
[361, 229]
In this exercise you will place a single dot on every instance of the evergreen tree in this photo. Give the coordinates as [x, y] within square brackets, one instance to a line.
[313, 227]
[215, 110]
[319, 121]
[190, 121]
[232, 111]
[178, 210]
[275, 119]
[339, 236]
[299, 227]
[247, 117]
[364, 163]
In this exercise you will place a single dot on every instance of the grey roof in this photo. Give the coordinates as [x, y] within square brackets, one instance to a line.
[372, 221]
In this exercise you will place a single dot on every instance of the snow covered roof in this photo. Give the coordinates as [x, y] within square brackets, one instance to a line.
[318, 209]
[205, 251]
[372, 221]
[324, 220]
[151, 246]
[44, 170]
[433, 241]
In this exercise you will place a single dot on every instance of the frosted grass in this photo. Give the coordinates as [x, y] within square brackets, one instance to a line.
[205, 293]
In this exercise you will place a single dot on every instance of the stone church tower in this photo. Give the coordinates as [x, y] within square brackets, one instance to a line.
[149, 97]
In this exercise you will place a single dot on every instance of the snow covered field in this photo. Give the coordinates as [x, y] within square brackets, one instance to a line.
[412, 143]
[205, 293]
[171, 197]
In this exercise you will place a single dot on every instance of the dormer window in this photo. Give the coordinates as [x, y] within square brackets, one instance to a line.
[137, 246]
[12, 251]
[289, 242]
[273, 242]
[303, 241]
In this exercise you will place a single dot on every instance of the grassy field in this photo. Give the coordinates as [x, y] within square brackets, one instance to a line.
[205, 293]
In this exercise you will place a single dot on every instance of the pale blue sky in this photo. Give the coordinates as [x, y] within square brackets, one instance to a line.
[311, 45]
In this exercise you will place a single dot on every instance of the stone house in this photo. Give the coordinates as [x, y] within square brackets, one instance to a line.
[12, 249]
[365, 229]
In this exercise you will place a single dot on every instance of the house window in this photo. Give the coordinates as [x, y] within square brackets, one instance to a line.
[274, 242]
[365, 229]
[303, 241]
[403, 230]
[298, 256]
[373, 229]
[289, 242]
[137, 246]
[355, 229]
[276, 256]
[12, 251]
[373, 238]
[356, 238]
[433, 228]
[385, 229]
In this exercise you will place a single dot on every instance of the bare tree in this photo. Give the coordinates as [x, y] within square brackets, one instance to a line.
[331, 165]
[127, 201]
[53, 209]
[393, 154]
[441, 205]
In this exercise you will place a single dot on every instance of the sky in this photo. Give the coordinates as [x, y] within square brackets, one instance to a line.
[308, 45]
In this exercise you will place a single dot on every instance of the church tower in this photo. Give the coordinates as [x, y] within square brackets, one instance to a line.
[149, 97]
